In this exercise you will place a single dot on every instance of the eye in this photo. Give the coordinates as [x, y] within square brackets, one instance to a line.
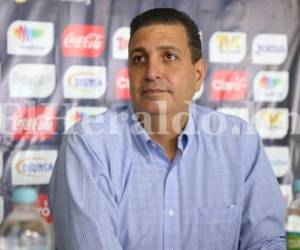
[138, 59]
[170, 56]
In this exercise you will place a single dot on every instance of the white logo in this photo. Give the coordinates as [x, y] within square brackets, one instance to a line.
[287, 193]
[77, 114]
[33, 167]
[32, 80]
[1, 164]
[227, 47]
[88, 82]
[279, 159]
[1, 209]
[120, 43]
[198, 93]
[2, 119]
[269, 49]
[272, 123]
[86, 2]
[30, 38]
[242, 113]
[271, 86]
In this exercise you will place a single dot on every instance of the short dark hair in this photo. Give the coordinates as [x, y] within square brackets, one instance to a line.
[171, 16]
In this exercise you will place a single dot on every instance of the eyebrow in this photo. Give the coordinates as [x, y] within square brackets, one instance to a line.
[163, 47]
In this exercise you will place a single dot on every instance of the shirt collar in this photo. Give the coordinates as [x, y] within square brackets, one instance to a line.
[183, 140]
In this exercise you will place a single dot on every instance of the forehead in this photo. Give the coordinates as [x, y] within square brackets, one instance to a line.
[156, 35]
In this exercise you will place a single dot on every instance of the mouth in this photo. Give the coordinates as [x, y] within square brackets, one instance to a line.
[153, 91]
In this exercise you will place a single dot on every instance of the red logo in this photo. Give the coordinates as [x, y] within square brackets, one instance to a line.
[33, 123]
[122, 85]
[83, 40]
[43, 207]
[229, 86]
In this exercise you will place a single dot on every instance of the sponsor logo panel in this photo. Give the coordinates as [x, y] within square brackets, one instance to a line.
[227, 47]
[279, 159]
[122, 85]
[229, 86]
[32, 80]
[120, 43]
[271, 86]
[242, 113]
[43, 207]
[86, 2]
[33, 123]
[272, 123]
[198, 93]
[83, 41]
[287, 193]
[33, 167]
[30, 38]
[1, 165]
[87, 82]
[1, 209]
[77, 114]
[269, 49]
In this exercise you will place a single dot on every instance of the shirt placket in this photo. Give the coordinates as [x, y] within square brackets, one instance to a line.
[171, 209]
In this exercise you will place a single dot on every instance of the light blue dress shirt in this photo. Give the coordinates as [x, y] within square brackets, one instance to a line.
[114, 188]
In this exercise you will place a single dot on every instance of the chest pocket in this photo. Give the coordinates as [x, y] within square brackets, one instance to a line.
[219, 227]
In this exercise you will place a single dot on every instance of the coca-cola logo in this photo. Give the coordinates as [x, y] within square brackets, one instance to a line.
[83, 41]
[229, 85]
[122, 84]
[33, 123]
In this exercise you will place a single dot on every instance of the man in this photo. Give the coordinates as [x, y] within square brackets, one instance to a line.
[173, 175]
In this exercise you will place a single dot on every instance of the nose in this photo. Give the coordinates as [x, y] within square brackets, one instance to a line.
[153, 69]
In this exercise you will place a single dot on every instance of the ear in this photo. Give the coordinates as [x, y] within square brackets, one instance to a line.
[201, 68]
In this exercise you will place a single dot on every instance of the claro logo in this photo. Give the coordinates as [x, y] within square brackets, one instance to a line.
[30, 38]
[229, 86]
[33, 167]
[83, 41]
[87, 82]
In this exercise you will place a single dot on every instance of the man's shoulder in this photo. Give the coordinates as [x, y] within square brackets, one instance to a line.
[207, 118]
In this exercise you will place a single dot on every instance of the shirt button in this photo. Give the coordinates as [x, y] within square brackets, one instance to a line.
[171, 212]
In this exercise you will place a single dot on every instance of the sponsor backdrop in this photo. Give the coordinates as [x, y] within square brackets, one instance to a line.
[64, 60]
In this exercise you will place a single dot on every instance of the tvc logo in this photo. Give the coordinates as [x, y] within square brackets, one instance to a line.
[33, 123]
[83, 41]
[228, 86]
[227, 47]
[30, 38]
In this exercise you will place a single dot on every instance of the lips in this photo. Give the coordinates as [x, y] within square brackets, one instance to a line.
[153, 91]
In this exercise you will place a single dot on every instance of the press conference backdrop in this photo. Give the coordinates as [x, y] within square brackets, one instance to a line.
[64, 60]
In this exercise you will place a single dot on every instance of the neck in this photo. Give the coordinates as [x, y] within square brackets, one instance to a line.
[165, 129]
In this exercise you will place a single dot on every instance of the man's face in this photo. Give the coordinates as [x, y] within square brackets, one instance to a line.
[161, 69]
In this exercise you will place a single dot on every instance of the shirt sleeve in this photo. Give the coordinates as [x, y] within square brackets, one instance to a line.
[264, 209]
[81, 199]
